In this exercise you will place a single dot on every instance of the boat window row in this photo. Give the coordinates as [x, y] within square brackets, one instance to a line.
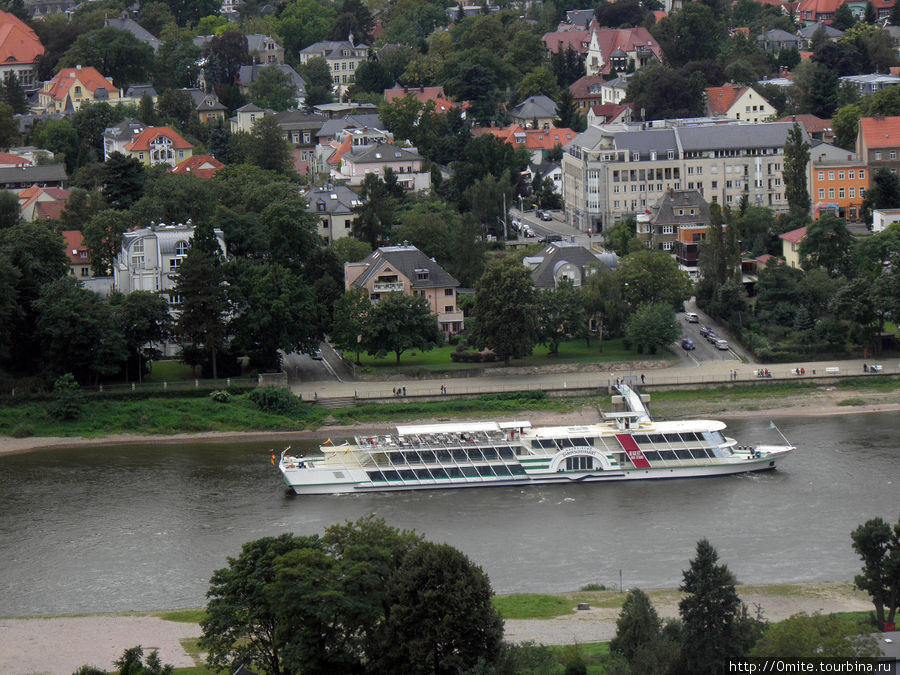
[556, 443]
[579, 463]
[711, 437]
[451, 455]
[693, 453]
[485, 471]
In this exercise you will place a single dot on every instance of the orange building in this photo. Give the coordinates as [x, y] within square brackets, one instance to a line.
[838, 181]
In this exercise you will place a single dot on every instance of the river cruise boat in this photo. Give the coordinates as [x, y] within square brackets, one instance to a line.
[625, 446]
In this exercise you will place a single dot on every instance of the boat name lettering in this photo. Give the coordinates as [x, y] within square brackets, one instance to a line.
[580, 450]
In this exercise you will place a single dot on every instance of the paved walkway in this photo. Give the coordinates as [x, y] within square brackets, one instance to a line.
[707, 372]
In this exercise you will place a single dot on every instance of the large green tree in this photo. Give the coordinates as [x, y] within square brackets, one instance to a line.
[144, 320]
[815, 636]
[115, 53]
[561, 313]
[123, 180]
[505, 310]
[716, 626]
[103, 239]
[271, 309]
[375, 212]
[200, 288]
[441, 617]
[828, 244]
[796, 157]
[351, 312]
[878, 545]
[398, 323]
[274, 89]
[652, 326]
[268, 149]
[77, 333]
[649, 276]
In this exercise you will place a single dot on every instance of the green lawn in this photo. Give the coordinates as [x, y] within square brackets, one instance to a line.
[532, 606]
[573, 351]
[169, 371]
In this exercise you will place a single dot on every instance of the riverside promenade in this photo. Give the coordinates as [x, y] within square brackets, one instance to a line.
[707, 373]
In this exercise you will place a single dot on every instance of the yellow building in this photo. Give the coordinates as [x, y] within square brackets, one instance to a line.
[71, 87]
[159, 145]
[790, 246]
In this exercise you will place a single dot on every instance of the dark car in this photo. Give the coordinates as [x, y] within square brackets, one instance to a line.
[704, 331]
[550, 238]
[687, 343]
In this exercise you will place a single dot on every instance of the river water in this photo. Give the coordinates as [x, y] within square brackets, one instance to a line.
[141, 527]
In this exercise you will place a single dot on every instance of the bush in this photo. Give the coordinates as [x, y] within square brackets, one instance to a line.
[220, 396]
[22, 431]
[273, 399]
[67, 398]
[593, 587]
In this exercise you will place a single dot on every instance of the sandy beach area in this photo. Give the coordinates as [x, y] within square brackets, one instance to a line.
[59, 646]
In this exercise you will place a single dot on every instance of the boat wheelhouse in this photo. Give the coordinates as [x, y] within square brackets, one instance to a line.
[625, 446]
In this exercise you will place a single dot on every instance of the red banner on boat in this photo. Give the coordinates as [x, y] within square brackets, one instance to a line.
[635, 454]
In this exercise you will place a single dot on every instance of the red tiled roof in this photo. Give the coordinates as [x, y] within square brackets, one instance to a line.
[142, 141]
[88, 76]
[202, 166]
[610, 111]
[32, 194]
[74, 246]
[534, 139]
[345, 146]
[794, 236]
[819, 6]
[812, 124]
[764, 258]
[880, 132]
[581, 88]
[7, 159]
[659, 15]
[560, 41]
[720, 99]
[49, 210]
[626, 39]
[18, 42]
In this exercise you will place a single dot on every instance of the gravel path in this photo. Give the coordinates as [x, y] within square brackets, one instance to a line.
[64, 644]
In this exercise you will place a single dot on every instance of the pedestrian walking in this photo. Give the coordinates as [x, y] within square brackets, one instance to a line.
[642, 378]
[404, 391]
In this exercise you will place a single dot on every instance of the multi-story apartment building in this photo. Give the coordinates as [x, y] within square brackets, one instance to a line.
[878, 142]
[405, 269]
[342, 56]
[609, 173]
[837, 181]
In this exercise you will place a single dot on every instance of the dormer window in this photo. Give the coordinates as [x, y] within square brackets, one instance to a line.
[422, 274]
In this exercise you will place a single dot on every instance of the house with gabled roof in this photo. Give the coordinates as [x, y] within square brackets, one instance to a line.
[116, 137]
[535, 112]
[808, 32]
[738, 102]
[406, 163]
[246, 116]
[7, 160]
[610, 113]
[405, 269]
[264, 49]
[42, 203]
[817, 11]
[19, 178]
[777, 39]
[333, 205]
[202, 166]
[567, 261]
[19, 51]
[620, 50]
[159, 145]
[77, 254]
[816, 127]
[126, 23]
[790, 246]
[342, 56]
[207, 106]
[71, 87]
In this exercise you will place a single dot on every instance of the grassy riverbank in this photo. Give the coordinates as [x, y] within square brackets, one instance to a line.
[195, 414]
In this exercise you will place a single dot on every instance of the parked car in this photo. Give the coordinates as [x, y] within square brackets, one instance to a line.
[711, 337]
[550, 238]
[544, 215]
[317, 355]
[690, 317]
[722, 344]
[687, 343]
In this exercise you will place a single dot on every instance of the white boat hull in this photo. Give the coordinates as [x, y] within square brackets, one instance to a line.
[306, 482]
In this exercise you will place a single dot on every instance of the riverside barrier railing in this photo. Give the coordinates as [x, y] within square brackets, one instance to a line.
[125, 388]
[587, 383]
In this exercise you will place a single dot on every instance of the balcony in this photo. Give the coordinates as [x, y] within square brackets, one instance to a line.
[387, 286]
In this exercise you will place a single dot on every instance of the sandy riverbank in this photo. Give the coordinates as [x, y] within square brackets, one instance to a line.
[61, 645]
[811, 404]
